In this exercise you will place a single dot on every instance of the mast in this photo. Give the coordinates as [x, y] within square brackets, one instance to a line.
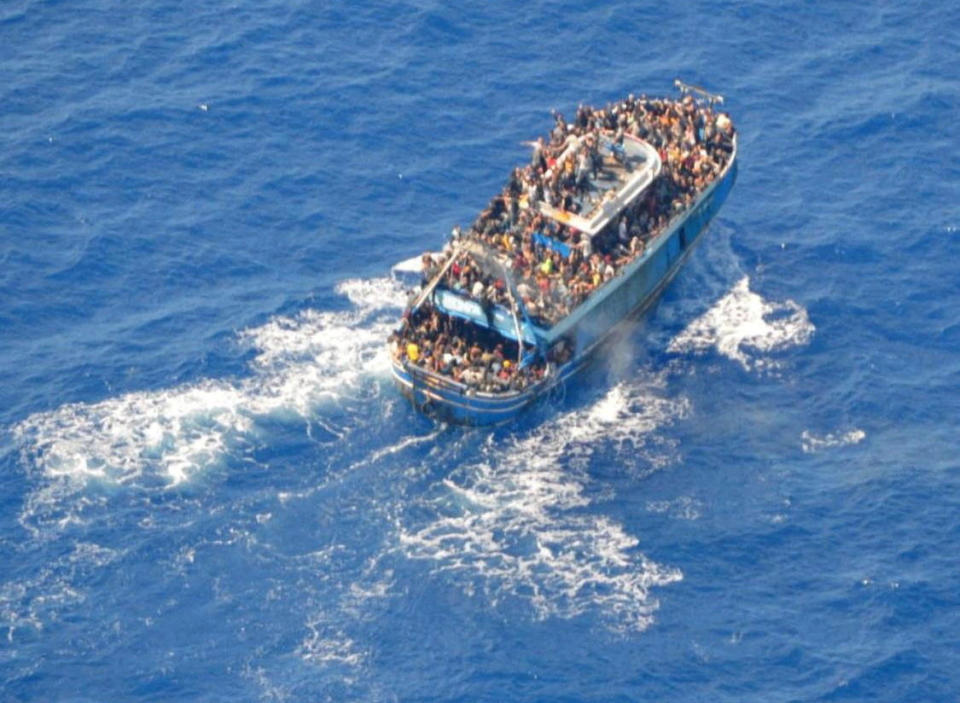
[489, 258]
[454, 255]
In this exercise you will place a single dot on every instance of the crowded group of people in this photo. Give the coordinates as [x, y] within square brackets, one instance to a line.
[474, 356]
[554, 266]
[694, 143]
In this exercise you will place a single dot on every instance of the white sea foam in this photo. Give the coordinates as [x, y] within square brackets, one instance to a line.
[682, 508]
[517, 524]
[163, 437]
[29, 603]
[404, 443]
[746, 328]
[327, 641]
[301, 361]
[813, 443]
[326, 644]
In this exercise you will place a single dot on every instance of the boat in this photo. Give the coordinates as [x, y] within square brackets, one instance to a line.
[582, 238]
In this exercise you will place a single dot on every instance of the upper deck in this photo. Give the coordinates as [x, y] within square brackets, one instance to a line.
[587, 231]
[520, 327]
[627, 169]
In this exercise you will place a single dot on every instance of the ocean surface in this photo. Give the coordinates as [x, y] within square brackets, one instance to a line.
[211, 491]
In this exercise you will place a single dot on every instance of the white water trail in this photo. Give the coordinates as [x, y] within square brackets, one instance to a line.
[518, 524]
[301, 361]
[165, 437]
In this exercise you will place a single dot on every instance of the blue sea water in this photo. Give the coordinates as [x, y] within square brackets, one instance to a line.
[210, 490]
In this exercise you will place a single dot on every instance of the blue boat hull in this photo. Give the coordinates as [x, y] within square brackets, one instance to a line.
[637, 287]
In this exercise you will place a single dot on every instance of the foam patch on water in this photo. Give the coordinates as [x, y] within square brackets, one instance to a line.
[682, 508]
[301, 361]
[327, 644]
[812, 443]
[160, 438]
[518, 524]
[744, 327]
[29, 603]
[339, 606]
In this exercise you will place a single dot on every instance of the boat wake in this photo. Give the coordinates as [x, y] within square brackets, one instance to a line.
[746, 328]
[300, 361]
[518, 524]
[164, 437]
[78, 454]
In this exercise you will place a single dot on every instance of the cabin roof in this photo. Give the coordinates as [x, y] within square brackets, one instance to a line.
[627, 171]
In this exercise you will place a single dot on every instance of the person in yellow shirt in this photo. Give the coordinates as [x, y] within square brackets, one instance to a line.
[413, 352]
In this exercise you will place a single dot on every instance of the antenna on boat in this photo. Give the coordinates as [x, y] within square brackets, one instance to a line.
[686, 89]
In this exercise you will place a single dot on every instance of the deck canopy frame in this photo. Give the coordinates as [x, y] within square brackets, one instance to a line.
[512, 323]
